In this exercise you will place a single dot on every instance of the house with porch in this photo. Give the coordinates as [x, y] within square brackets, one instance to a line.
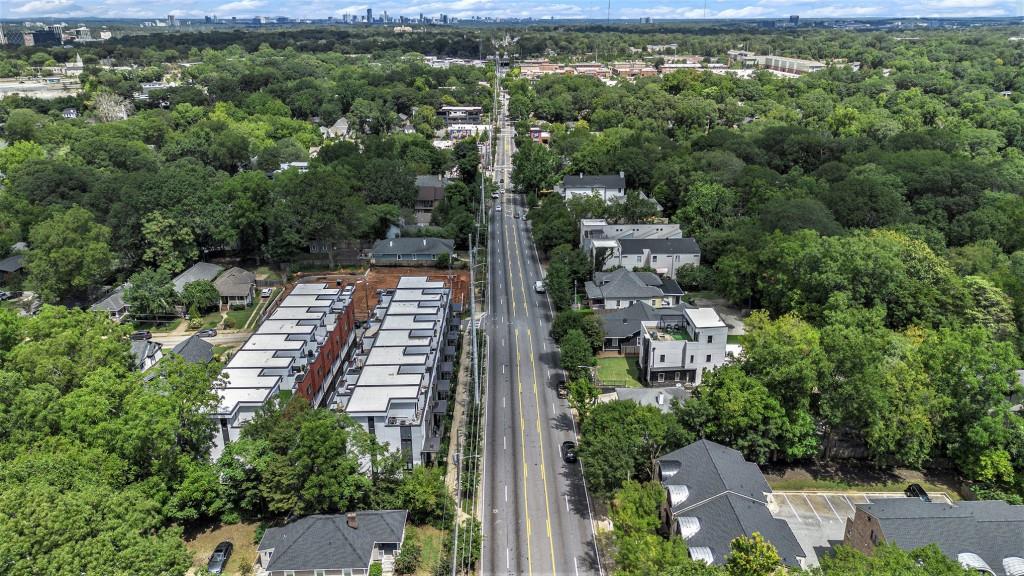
[236, 287]
[622, 288]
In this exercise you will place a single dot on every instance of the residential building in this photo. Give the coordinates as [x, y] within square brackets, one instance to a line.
[302, 347]
[11, 267]
[599, 229]
[663, 255]
[334, 544]
[236, 287]
[539, 135]
[680, 353]
[337, 130]
[715, 496]
[410, 251]
[113, 304]
[622, 288]
[429, 193]
[145, 354]
[69, 113]
[622, 326]
[462, 114]
[194, 350]
[196, 272]
[300, 166]
[986, 536]
[398, 386]
[608, 187]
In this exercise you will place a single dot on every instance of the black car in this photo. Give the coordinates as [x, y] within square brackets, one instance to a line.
[142, 335]
[206, 333]
[219, 558]
[916, 491]
[569, 451]
[563, 389]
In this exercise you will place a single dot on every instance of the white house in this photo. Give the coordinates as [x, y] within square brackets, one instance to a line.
[609, 187]
[672, 353]
[663, 255]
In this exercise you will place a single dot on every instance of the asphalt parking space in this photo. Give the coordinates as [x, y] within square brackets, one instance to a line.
[818, 518]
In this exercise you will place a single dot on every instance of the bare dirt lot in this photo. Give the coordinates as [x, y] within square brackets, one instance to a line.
[385, 277]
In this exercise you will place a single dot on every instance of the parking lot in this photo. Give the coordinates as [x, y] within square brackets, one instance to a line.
[818, 518]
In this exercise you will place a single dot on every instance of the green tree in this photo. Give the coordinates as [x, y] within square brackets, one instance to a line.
[583, 396]
[423, 492]
[891, 560]
[69, 256]
[468, 551]
[150, 293]
[868, 197]
[575, 355]
[169, 245]
[753, 556]
[534, 168]
[636, 507]
[201, 295]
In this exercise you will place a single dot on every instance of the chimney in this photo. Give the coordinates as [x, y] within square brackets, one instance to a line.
[351, 520]
[424, 241]
[622, 174]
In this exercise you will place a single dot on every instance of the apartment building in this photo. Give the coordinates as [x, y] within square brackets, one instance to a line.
[397, 387]
[302, 347]
[674, 352]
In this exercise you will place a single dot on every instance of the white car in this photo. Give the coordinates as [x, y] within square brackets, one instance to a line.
[266, 292]
[497, 208]
[539, 286]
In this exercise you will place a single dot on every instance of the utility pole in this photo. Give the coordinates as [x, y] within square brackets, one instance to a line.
[458, 501]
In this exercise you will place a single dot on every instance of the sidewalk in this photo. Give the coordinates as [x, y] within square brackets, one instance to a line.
[458, 414]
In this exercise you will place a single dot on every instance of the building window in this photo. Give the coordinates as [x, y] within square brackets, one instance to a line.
[691, 358]
[708, 359]
[614, 343]
[637, 258]
[371, 426]
[709, 339]
[654, 258]
[661, 358]
[661, 376]
[677, 376]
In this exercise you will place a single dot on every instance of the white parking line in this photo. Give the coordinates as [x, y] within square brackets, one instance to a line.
[852, 507]
[506, 492]
[829, 502]
[792, 508]
[811, 506]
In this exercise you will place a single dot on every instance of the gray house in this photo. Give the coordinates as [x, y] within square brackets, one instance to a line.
[194, 273]
[410, 251]
[334, 544]
[10, 268]
[622, 288]
[236, 287]
[194, 350]
[622, 326]
[663, 255]
[146, 354]
[429, 193]
[113, 304]
[715, 496]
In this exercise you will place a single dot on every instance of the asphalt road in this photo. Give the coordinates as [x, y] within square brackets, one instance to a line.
[536, 510]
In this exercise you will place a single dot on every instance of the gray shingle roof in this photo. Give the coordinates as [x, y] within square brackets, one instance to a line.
[413, 246]
[198, 271]
[659, 246]
[992, 529]
[235, 281]
[194, 349]
[623, 283]
[325, 541]
[727, 495]
[625, 322]
[111, 302]
[142, 349]
[12, 263]
[600, 181]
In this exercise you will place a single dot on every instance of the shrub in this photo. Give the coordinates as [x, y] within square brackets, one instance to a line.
[376, 569]
[409, 557]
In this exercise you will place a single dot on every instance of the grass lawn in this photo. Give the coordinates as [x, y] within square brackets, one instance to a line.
[432, 542]
[159, 328]
[241, 535]
[240, 317]
[735, 338]
[620, 371]
[796, 484]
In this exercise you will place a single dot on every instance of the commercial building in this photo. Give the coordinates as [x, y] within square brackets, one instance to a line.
[397, 387]
[673, 353]
[302, 347]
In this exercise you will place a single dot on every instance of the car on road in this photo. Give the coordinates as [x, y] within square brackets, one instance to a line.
[569, 451]
[207, 333]
[539, 286]
[494, 194]
[514, 215]
[497, 208]
[141, 335]
[266, 292]
[219, 558]
[916, 491]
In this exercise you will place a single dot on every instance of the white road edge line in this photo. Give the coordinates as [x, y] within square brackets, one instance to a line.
[567, 503]
[576, 565]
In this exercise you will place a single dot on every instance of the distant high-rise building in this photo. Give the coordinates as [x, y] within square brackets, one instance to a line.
[421, 18]
[444, 18]
[794, 19]
[57, 29]
[172, 20]
[3, 37]
[208, 19]
[369, 15]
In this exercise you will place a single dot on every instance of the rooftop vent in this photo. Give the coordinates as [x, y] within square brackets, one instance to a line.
[702, 554]
[1013, 566]
[677, 494]
[688, 526]
[972, 561]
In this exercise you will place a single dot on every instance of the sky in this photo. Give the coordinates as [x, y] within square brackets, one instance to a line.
[657, 9]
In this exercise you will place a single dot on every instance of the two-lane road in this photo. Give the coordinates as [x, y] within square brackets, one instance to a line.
[536, 512]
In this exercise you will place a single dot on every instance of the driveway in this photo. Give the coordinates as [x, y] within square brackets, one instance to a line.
[228, 338]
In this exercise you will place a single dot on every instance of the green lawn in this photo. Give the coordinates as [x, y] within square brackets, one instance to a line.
[159, 328]
[620, 371]
[431, 540]
[211, 320]
[240, 317]
[735, 338]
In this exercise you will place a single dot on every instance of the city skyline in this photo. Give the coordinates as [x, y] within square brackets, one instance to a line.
[564, 9]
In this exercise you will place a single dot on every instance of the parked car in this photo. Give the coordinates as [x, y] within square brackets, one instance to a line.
[266, 292]
[916, 491]
[207, 333]
[141, 335]
[219, 558]
[563, 389]
[569, 451]
[4, 296]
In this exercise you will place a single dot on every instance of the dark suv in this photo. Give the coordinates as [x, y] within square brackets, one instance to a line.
[219, 558]
[916, 491]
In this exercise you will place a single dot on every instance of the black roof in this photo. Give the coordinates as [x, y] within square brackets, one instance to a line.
[659, 245]
[12, 263]
[625, 322]
[993, 530]
[728, 497]
[325, 541]
[599, 181]
[414, 246]
[194, 349]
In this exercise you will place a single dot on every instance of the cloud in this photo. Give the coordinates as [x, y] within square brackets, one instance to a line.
[48, 8]
[241, 6]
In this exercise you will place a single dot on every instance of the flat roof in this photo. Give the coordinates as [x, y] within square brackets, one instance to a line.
[297, 314]
[314, 288]
[408, 322]
[400, 307]
[400, 338]
[244, 378]
[260, 341]
[377, 398]
[418, 282]
[383, 376]
[259, 359]
[285, 327]
[704, 317]
[385, 355]
[307, 301]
